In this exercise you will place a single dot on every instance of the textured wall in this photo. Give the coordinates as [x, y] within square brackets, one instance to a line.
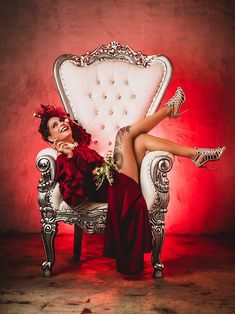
[198, 36]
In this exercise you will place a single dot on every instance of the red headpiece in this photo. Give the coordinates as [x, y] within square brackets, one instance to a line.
[47, 111]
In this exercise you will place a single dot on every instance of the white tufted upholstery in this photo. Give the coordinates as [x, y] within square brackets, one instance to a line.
[108, 95]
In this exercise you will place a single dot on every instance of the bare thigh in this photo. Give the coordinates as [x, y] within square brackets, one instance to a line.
[142, 144]
[124, 153]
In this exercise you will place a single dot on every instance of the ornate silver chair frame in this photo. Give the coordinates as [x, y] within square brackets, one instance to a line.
[81, 104]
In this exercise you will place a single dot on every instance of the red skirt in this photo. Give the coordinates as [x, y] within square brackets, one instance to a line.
[127, 233]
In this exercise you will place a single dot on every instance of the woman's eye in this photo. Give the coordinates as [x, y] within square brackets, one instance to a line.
[54, 125]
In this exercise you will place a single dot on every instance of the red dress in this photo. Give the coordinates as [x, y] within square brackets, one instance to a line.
[127, 233]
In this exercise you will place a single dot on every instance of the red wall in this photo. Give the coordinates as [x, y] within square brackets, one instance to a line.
[198, 37]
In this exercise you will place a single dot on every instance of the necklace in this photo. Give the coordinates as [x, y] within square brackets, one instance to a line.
[72, 145]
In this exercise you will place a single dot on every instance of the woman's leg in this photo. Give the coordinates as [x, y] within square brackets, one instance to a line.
[124, 155]
[146, 124]
[146, 142]
[171, 109]
[129, 150]
[126, 158]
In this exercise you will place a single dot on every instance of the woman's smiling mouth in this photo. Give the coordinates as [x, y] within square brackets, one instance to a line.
[63, 129]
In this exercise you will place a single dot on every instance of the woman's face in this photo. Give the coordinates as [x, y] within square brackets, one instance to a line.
[59, 129]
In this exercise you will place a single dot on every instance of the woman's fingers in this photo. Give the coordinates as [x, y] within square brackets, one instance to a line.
[61, 146]
[66, 145]
[64, 148]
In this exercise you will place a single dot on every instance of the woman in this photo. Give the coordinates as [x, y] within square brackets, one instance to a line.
[127, 233]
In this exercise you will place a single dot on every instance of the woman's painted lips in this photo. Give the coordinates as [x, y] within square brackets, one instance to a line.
[63, 129]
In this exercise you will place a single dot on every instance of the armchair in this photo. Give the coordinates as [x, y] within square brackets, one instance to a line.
[105, 89]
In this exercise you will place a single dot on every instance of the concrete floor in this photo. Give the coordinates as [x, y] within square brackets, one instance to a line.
[199, 278]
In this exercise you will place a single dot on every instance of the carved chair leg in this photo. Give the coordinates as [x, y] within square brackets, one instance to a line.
[158, 239]
[48, 234]
[77, 246]
[157, 221]
[158, 212]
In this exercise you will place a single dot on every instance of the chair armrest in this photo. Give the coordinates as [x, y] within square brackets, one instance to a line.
[153, 175]
[45, 163]
[51, 152]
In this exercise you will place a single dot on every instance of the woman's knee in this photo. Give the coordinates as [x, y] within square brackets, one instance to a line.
[139, 140]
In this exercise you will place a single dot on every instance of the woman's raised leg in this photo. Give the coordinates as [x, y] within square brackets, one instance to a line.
[199, 156]
[124, 153]
[147, 142]
[171, 109]
[148, 123]
[129, 151]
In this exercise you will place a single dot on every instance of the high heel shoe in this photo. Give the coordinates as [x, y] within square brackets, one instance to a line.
[175, 103]
[209, 154]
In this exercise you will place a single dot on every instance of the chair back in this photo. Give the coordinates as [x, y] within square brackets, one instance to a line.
[110, 87]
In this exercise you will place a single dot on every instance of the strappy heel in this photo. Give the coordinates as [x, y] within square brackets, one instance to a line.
[209, 154]
[176, 102]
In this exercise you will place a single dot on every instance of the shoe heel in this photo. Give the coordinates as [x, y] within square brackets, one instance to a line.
[209, 154]
[209, 168]
[180, 114]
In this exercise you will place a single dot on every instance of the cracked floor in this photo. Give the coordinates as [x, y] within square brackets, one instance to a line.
[199, 277]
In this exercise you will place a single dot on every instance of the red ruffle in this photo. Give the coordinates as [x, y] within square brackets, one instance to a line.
[75, 175]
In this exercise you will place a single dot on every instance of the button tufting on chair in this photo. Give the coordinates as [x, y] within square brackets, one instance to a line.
[133, 96]
[98, 82]
[96, 111]
[105, 96]
[90, 96]
[112, 81]
[110, 143]
[126, 82]
[110, 112]
[95, 142]
[103, 127]
[125, 112]
[119, 96]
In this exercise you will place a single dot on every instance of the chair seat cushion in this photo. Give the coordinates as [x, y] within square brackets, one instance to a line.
[85, 206]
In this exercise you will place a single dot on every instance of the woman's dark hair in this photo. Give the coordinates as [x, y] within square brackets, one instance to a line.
[43, 128]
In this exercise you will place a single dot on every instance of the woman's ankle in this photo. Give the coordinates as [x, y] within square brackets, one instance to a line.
[167, 110]
[193, 153]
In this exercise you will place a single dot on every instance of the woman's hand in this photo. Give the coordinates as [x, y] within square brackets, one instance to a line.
[64, 147]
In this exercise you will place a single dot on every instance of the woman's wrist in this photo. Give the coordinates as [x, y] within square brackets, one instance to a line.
[70, 155]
